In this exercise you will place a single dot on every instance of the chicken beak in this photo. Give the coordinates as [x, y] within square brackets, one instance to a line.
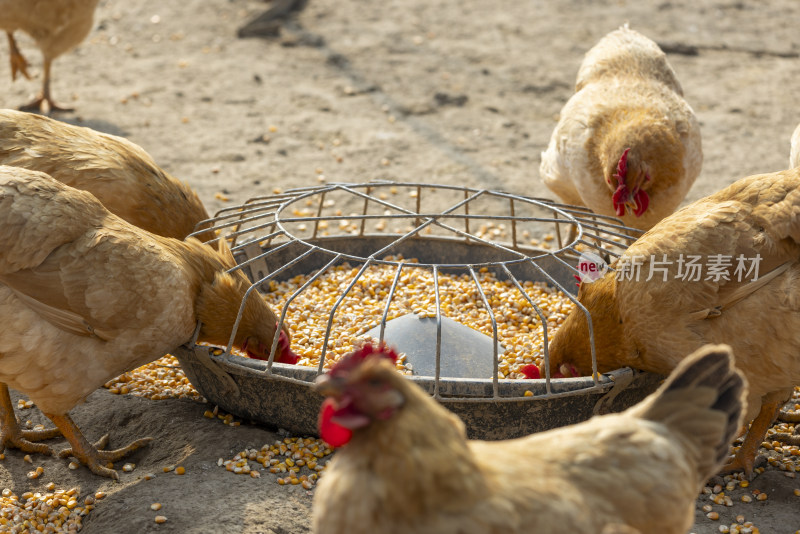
[565, 370]
[328, 386]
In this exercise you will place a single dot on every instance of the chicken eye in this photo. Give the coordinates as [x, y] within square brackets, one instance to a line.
[375, 382]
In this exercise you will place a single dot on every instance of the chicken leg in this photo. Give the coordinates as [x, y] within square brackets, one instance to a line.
[89, 454]
[746, 456]
[44, 96]
[13, 436]
[18, 61]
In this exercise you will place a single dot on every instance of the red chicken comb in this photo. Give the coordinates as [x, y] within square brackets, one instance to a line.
[530, 371]
[642, 200]
[368, 350]
[622, 167]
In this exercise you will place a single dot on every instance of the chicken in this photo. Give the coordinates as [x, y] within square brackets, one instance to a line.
[724, 269]
[794, 155]
[407, 466]
[57, 26]
[86, 296]
[119, 173]
[627, 144]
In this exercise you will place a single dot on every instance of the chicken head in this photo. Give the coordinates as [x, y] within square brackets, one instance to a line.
[360, 391]
[570, 351]
[218, 306]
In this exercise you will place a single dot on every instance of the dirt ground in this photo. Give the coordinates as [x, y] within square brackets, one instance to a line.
[454, 92]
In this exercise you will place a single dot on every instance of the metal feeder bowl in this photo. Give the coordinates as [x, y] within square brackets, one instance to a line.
[448, 229]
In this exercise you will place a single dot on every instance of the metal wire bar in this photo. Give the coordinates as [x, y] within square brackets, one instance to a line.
[542, 319]
[389, 299]
[338, 303]
[438, 370]
[488, 307]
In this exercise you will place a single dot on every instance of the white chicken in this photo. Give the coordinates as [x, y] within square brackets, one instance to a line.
[627, 144]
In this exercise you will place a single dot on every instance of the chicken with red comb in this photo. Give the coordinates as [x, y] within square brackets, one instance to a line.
[627, 144]
[405, 465]
[342, 414]
[86, 296]
[724, 269]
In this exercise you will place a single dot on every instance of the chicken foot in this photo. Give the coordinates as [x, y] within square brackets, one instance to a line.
[745, 458]
[38, 104]
[91, 455]
[18, 61]
[12, 435]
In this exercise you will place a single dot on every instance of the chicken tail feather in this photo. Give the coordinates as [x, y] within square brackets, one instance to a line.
[703, 401]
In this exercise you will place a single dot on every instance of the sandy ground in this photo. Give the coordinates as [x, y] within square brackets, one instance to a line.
[456, 92]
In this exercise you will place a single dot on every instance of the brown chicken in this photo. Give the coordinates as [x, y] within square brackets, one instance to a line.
[119, 173]
[794, 155]
[725, 269]
[57, 26]
[408, 467]
[627, 144]
[86, 296]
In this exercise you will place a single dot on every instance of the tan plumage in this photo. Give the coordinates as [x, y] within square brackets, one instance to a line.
[415, 472]
[57, 26]
[627, 97]
[86, 296]
[651, 325]
[794, 155]
[119, 173]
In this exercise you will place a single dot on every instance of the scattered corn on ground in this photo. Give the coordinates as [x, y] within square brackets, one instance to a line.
[52, 511]
[296, 461]
[160, 379]
[735, 487]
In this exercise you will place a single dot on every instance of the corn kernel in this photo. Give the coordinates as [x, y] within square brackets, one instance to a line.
[180, 470]
[160, 519]
[156, 506]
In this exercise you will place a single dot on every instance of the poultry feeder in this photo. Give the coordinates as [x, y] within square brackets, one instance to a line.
[418, 235]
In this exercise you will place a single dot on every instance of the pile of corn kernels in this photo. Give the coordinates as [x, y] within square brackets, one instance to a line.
[296, 461]
[519, 327]
[160, 379]
[53, 511]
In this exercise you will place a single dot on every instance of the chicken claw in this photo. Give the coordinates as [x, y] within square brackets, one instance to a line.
[38, 104]
[18, 61]
[91, 455]
[12, 435]
[745, 458]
